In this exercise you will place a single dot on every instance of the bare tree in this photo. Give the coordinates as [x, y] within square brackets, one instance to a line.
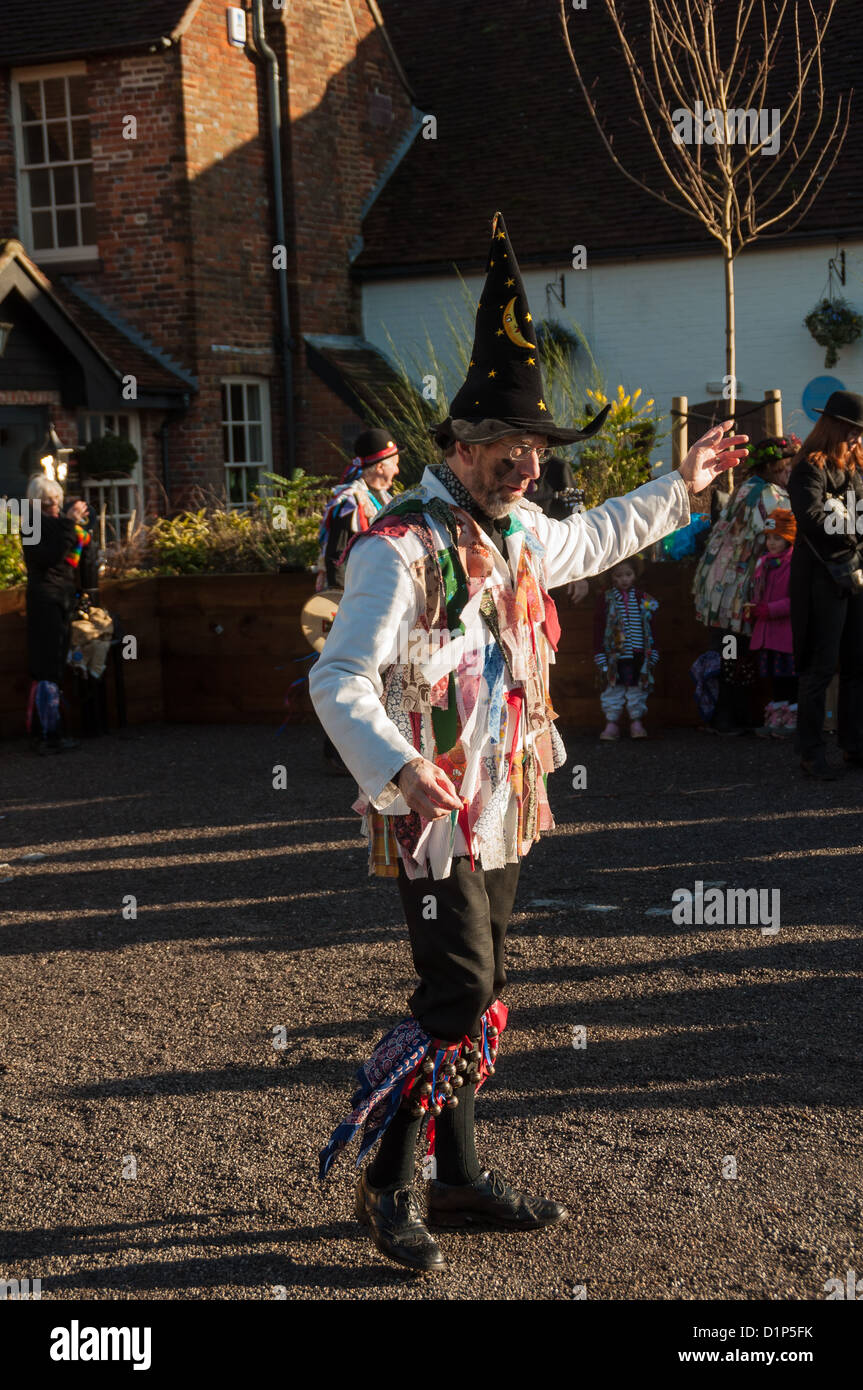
[706, 102]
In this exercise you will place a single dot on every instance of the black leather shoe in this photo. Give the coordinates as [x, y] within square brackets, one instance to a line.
[396, 1226]
[489, 1203]
[820, 768]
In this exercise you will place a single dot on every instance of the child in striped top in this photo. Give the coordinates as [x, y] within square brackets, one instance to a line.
[625, 650]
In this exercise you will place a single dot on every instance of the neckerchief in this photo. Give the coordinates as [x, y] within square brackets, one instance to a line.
[494, 528]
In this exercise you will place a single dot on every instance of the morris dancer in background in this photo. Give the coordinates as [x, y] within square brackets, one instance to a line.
[364, 490]
[433, 685]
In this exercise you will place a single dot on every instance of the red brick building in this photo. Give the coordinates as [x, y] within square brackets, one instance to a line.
[182, 190]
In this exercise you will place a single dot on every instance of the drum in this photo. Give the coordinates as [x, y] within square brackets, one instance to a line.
[318, 616]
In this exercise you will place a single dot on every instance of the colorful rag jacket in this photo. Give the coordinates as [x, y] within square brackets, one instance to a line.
[442, 646]
[352, 507]
[723, 579]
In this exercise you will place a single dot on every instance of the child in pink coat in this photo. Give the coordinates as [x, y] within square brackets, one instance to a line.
[770, 613]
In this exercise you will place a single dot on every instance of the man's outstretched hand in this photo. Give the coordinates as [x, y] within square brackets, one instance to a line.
[711, 455]
[427, 789]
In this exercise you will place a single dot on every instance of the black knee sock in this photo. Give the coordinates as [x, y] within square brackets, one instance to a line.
[393, 1164]
[454, 1145]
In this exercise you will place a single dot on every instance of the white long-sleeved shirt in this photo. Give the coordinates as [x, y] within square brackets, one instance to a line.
[381, 600]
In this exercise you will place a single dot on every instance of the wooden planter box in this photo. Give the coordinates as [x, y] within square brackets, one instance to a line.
[241, 673]
[223, 649]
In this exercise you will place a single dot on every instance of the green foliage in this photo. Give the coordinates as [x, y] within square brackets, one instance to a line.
[618, 458]
[834, 324]
[292, 512]
[12, 568]
[107, 457]
[550, 333]
[278, 531]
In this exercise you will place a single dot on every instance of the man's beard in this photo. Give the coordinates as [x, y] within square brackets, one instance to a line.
[495, 500]
[495, 505]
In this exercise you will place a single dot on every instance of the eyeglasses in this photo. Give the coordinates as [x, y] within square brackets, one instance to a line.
[523, 451]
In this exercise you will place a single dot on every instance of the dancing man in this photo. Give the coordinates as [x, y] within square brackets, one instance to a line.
[434, 687]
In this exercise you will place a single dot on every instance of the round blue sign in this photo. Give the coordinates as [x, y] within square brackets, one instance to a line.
[815, 394]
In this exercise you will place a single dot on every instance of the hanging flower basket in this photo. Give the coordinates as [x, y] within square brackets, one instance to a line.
[108, 457]
[552, 335]
[834, 324]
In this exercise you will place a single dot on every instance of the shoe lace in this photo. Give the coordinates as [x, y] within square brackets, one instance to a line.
[406, 1205]
[500, 1187]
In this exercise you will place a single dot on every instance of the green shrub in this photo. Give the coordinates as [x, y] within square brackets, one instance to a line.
[13, 571]
[618, 458]
[278, 531]
[292, 511]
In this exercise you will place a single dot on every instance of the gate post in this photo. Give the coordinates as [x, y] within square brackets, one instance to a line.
[679, 430]
[773, 412]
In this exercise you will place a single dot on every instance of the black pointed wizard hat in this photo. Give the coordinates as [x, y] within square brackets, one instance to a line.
[504, 391]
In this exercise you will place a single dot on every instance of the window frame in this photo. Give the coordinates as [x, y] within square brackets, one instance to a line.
[135, 479]
[266, 464]
[86, 251]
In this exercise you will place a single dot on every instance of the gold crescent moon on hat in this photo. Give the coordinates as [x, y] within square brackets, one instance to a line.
[511, 328]
[318, 615]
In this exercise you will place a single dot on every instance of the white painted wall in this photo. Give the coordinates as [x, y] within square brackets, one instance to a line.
[660, 324]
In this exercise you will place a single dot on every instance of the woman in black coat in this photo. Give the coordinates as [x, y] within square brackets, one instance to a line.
[60, 564]
[826, 491]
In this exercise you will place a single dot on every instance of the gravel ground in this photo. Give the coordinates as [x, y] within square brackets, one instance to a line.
[150, 1037]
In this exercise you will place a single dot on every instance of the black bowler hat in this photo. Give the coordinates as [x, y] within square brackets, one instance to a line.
[504, 393]
[372, 446]
[845, 406]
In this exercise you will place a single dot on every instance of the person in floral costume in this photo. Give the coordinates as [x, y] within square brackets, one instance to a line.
[726, 571]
